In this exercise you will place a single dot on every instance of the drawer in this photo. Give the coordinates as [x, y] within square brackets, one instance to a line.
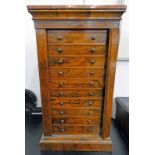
[76, 83]
[76, 120]
[76, 72]
[75, 93]
[93, 112]
[76, 36]
[77, 50]
[74, 61]
[59, 103]
[82, 130]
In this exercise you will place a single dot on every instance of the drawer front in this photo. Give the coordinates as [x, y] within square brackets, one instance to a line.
[93, 112]
[82, 130]
[72, 61]
[76, 36]
[76, 83]
[59, 103]
[58, 50]
[76, 120]
[75, 93]
[76, 72]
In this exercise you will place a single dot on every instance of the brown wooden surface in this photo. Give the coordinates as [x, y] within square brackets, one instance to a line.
[87, 50]
[43, 73]
[76, 102]
[81, 130]
[111, 67]
[76, 120]
[65, 41]
[76, 93]
[76, 73]
[76, 83]
[72, 112]
[74, 61]
[76, 36]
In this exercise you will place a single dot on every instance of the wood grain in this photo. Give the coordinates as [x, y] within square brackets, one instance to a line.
[87, 50]
[78, 102]
[76, 72]
[66, 36]
[76, 83]
[43, 73]
[76, 36]
[74, 61]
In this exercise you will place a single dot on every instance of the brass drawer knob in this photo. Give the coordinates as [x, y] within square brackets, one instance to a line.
[91, 84]
[90, 93]
[62, 129]
[59, 37]
[89, 121]
[92, 61]
[90, 103]
[92, 50]
[89, 129]
[93, 37]
[91, 73]
[61, 94]
[62, 121]
[61, 112]
[60, 61]
[90, 112]
[59, 50]
[60, 73]
[61, 103]
[61, 84]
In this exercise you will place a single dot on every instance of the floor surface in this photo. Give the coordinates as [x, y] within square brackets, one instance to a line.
[33, 132]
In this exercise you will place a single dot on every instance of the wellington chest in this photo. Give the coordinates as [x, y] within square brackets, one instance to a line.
[77, 51]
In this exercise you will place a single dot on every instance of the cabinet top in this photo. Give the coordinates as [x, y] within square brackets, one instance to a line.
[78, 7]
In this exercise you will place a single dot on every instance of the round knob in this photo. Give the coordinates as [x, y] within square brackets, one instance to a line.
[89, 112]
[61, 112]
[60, 73]
[59, 50]
[91, 84]
[59, 37]
[62, 129]
[93, 37]
[60, 61]
[91, 94]
[89, 129]
[90, 102]
[61, 103]
[92, 61]
[91, 73]
[61, 84]
[92, 50]
[61, 94]
[62, 121]
[89, 121]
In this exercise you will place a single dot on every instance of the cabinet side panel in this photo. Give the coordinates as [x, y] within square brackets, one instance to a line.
[110, 78]
[44, 78]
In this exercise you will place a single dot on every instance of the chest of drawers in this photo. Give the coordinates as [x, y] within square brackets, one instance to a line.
[77, 51]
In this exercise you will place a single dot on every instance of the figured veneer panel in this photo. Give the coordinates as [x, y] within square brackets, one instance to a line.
[59, 50]
[75, 61]
[76, 73]
[58, 103]
[76, 36]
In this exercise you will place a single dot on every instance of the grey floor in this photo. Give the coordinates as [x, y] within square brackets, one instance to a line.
[33, 132]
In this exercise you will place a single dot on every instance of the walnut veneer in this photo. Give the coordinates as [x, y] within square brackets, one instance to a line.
[77, 51]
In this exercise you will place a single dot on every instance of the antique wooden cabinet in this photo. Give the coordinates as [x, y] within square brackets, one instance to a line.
[77, 51]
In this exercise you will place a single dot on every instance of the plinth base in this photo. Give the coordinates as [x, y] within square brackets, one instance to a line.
[75, 143]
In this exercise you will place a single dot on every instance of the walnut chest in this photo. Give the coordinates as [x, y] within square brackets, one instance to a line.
[77, 51]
